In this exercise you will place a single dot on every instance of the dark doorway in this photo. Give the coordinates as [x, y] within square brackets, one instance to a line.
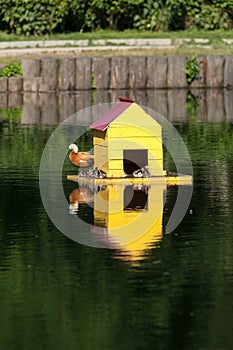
[135, 198]
[134, 160]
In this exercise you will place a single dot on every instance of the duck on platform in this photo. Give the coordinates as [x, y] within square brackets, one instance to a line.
[80, 159]
[142, 172]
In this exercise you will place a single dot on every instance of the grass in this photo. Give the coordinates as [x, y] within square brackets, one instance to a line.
[187, 51]
[9, 60]
[127, 34]
[218, 47]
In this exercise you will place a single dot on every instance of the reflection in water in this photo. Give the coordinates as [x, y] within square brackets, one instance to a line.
[136, 197]
[83, 195]
[130, 216]
[53, 108]
[79, 196]
[56, 293]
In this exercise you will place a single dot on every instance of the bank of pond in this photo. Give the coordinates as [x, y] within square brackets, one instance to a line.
[47, 74]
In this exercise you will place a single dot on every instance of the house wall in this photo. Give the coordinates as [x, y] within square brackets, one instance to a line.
[100, 150]
[109, 155]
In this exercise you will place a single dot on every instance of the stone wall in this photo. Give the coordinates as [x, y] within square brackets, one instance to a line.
[134, 72]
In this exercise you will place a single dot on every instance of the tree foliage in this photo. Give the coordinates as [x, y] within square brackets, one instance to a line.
[32, 17]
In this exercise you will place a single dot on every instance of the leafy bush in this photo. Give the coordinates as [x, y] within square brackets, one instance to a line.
[102, 14]
[208, 15]
[31, 17]
[160, 15]
[11, 70]
[184, 14]
[192, 68]
[153, 17]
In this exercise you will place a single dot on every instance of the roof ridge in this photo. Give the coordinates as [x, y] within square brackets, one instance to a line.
[114, 112]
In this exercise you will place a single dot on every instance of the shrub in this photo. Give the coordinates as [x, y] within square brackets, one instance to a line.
[208, 16]
[102, 14]
[192, 68]
[31, 17]
[11, 70]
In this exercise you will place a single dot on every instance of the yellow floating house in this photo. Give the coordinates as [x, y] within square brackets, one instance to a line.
[126, 138]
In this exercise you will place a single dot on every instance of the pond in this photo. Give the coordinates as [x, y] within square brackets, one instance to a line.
[175, 292]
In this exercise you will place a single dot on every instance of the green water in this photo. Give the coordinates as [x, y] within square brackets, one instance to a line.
[58, 294]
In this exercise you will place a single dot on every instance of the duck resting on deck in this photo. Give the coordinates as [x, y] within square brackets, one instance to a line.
[80, 159]
[142, 172]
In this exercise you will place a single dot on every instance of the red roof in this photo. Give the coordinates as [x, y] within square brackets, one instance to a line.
[103, 122]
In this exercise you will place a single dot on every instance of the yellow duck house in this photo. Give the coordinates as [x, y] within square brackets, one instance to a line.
[126, 138]
[128, 211]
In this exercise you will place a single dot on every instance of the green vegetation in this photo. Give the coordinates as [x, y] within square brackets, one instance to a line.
[192, 68]
[214, 45]
[215, 36]
[11, 115]
[192, 106]
[11, 70]
[30, 17]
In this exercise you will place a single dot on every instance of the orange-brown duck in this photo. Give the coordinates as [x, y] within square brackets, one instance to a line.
[80, 159]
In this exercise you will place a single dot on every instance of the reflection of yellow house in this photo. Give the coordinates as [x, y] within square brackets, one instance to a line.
[132, 216]
[126, 138]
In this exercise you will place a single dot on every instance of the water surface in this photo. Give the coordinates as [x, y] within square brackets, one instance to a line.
[56, 293]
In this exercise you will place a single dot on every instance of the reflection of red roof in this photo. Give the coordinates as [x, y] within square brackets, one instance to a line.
[103, 122]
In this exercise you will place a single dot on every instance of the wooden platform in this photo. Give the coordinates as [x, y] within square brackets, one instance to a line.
[179, 179]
